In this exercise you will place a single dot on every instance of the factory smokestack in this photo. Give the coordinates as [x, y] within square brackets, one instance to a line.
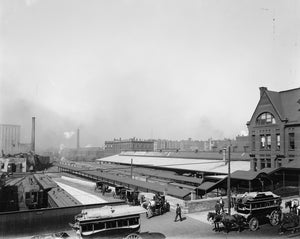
[33, 135]
[78, 139]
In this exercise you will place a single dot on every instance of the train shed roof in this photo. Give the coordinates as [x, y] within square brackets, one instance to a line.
[128, 182]
[45, 181]
[62, 198]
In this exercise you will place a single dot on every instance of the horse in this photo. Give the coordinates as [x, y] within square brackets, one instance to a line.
[235, 220]
[292, 205]
[288, 220]
[216, 219]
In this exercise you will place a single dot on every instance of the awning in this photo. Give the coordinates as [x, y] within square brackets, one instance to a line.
[206, 187]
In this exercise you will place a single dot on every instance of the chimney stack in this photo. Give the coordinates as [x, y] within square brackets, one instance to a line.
[78, 146]
[33, 135]
[262, 90]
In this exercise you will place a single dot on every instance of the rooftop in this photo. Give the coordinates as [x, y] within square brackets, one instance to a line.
[199, 165]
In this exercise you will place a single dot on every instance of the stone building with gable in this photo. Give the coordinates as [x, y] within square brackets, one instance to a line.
[274, 129]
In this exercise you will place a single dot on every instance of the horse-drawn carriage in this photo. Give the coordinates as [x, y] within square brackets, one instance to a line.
[120, 192]
[156, 206]
[132, 197]
[102, 187]
[252, 209]
[258, 208]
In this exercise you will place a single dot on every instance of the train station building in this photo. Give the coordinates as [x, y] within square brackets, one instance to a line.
[274, 140]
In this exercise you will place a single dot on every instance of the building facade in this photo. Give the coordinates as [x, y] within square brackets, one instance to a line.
[9, 138]
[118, 145]
[274, 129]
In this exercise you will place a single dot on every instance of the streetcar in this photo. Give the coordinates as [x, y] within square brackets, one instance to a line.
[258, 208]
[108, 220]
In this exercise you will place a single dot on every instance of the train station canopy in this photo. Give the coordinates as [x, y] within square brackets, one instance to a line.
[208, 186]
[127, 182]
[188, 164]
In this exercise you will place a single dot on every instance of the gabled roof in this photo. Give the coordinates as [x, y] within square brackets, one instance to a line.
[290, 105]
[285, 103]
[276, 102]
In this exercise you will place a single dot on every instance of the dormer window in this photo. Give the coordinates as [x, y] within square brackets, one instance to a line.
[265, 118]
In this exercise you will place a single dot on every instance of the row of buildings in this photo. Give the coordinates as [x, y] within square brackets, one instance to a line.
[239, 144]
[116, 146]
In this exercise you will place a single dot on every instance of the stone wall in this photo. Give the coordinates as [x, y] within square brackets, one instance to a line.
[201, 205]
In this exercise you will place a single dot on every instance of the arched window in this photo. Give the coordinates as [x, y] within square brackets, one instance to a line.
[265, 118]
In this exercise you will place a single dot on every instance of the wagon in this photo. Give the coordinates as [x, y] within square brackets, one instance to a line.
[157, 206]
[132, 197]
[120, 192]
[259, 208]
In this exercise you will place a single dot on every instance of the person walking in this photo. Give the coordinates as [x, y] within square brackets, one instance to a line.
[217, 208]
[221, 201]
[178, 213]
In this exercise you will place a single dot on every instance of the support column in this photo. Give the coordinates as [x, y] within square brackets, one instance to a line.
[299, 184]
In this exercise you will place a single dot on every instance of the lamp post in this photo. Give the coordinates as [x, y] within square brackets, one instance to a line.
[228, 182]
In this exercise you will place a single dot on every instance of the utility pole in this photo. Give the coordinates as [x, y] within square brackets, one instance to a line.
[228, 183]
[131, 168]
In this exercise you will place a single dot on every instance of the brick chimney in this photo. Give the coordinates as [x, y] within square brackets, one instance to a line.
[33, 135]
[78, 139]
[262, 90]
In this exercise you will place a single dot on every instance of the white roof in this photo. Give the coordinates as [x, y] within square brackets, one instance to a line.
[255, 194]
[111, 211]
[204, 165]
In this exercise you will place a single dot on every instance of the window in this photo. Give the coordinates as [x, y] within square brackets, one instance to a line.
[255, 164]
[99, 226]
[277, 141]
[268, 141]
[291, 141]
[265, 118]
[87, 227]
[262, 163]
[268, 162]
[253, 142]
[291, 158]
[123, 223]
[134, 221]
[262, 141]
[111, 224]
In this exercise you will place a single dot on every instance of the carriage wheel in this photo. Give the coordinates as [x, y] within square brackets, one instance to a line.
[253, 224]
[274, 218]
[133, 236]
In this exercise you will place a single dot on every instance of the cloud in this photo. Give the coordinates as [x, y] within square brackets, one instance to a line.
[69, 135]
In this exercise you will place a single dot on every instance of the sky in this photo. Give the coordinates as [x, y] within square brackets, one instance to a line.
[168, 69]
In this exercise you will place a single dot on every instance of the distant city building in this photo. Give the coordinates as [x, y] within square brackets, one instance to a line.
[118, 145]
[82, 154]
[240, 144]
[9, 138]
[13, 165]
[274, 129]
[166, 145]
